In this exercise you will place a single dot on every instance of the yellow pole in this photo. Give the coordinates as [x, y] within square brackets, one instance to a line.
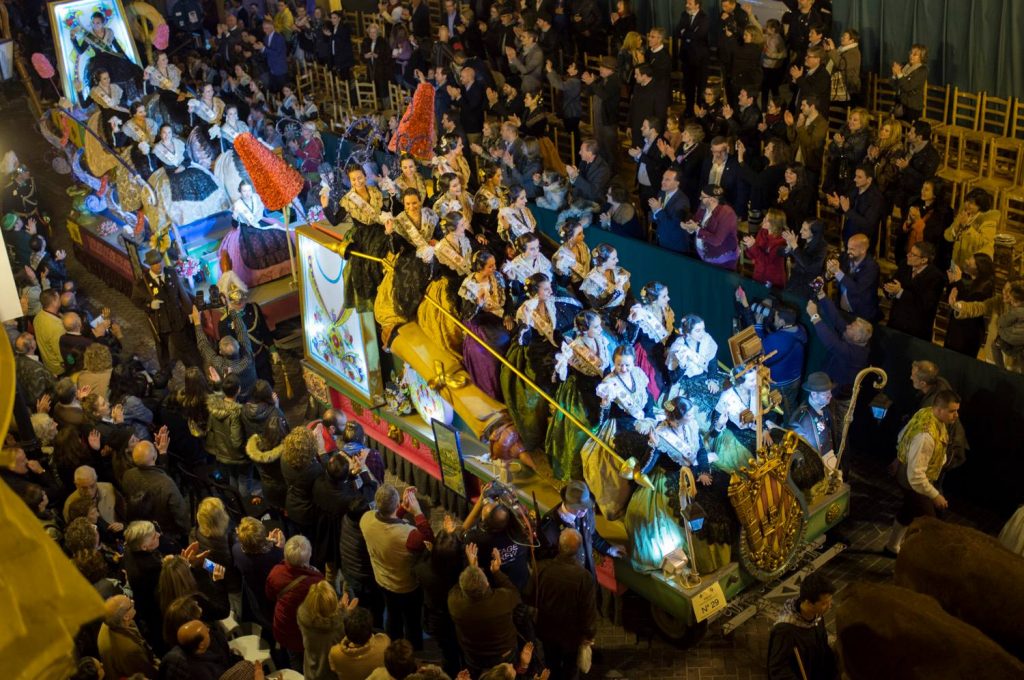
[568, 416]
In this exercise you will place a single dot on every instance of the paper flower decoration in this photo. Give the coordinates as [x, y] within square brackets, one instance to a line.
[42, 65]
[161, 37]
[275, 181]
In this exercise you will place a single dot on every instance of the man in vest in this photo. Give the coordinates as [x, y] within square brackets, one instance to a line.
[921, 454]
[393, 545]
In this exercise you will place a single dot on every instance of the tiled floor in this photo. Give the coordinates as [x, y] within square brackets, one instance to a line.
[623, 655]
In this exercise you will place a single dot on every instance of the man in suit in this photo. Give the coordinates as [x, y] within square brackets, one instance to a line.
[722, 169]
[857, 273]
[920, 164]
[668, 212]
[229, 35]
[591, 179]
[730, 36]
[915, 292]
[169, 306]
[530, 65]
[864, 209]
[648, 101]
[451, 17]
[814, 420]
[651, 163]
[548, 39]
[340, 36]
[275, 53]
[606, 112]
[811, 80]
[660, 61]
[695, 49]
[420, 20]
[471, 100]
[576, 511]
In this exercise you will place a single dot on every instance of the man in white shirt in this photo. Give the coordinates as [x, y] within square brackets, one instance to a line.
[921, 455]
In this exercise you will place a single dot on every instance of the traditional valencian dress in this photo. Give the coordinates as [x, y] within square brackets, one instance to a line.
[453, 262]
[261, 245]
[209, 114]
[539, 330]
[520, 268]
[193, 183]
[367, 236]
[486, 204]
[579, 367]
[604, 290]
[483, 312]
[571, 265]
[411, 254]
[690, 365]
[106, 54]
[446, 204]
[167, 85]
[648, 328]
[513, 222]
[738, 440]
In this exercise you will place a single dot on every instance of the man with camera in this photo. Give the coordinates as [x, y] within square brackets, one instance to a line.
[491, 526]
[847, 346]
[775, 323]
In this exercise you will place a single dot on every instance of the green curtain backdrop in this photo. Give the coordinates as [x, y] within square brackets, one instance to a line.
[973, 44]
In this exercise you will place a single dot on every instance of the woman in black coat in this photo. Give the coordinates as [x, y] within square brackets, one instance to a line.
[300, 466]
[807, 255]
[797, 197]
[975, 283]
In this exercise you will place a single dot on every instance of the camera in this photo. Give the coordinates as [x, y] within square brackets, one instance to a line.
[763, 308]
[214, 302]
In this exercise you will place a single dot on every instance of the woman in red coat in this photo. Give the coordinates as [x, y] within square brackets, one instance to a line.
[766, 250]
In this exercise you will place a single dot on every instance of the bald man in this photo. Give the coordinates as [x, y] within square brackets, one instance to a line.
[567, 606]
[73, 340]
[153, 495]
[108, 501]
[201, 654]
[122, 649]
[857, 274]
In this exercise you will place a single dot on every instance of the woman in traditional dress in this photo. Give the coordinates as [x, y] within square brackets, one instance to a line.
[168, 151]
[648, 328]
[691, 363]
[623, 392]
[288, 105]
[363, 204]
[606, 286]
[452, 196]
[735, 422]
[138, 132]
[449, 158]
[452, 263]
[411, 247]
[308, 153]
[409, 177]
[164, 78]
[490, 198]
[579, 367]
[232, 126]
[653, 516]
[262, 240]
[571, 261]
[526, 263]
[206, 110]
[484, 312]
[109, 98]
[516, 219]
[99, 50]
[193, 191]
[541, 322]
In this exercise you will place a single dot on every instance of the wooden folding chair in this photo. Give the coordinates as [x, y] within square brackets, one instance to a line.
[366, 98]
[995, 116]
[1002, 168]
[1017, 120]
[965, 112]
[883, 99]
[963, 155]
[936, 104]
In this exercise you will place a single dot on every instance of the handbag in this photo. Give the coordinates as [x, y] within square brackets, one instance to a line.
[839, 91]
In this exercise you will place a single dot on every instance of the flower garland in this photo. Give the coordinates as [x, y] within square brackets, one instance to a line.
[188, 267]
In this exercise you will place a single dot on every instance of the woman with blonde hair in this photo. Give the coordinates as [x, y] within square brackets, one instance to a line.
[630, 54]
[301, 466]
[254, 554]
[97, 366]
[885, 151]
[322, 622]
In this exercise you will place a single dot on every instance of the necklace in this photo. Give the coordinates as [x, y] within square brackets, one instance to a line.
[632, 389]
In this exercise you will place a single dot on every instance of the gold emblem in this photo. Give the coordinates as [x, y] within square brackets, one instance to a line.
[833, 513]
[395, 434]
[769, 509]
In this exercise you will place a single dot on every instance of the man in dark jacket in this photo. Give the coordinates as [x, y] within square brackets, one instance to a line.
[722, 168]
[590, 180]
[857, 274]
[169, 305]
[607, 89]
[566, 606]
[202, 653]
[224, 436]
[339, 35]
[915, 292]
[149, 491]
[692, 30]
[650, 162]
[847, 346]
[920, 164]
[668, 210]
[811, 80]
[483, 614]
[471, 100]
[864, 209]
[576, 511]
[798, 644]
[648, 101]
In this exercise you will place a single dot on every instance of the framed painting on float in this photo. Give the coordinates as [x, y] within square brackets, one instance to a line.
[340, 341]
[92, 37]
[448, 450]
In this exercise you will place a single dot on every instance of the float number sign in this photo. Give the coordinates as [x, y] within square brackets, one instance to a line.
[708, 602]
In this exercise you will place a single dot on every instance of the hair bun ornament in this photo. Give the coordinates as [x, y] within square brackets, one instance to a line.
[162, 37]
[276, 182]
[42, 66]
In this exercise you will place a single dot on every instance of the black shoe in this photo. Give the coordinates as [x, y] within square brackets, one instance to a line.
[889, 552]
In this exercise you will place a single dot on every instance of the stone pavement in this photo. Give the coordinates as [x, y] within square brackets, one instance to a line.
[623, 654]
